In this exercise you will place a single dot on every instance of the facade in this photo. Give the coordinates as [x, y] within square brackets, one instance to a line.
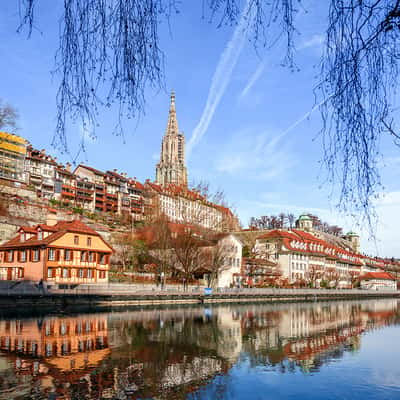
[230, 247]
[40, 172]
[171, 168]
[12, 156]
[378, 281]
[303, 257]
[182, 205]
[66, 252]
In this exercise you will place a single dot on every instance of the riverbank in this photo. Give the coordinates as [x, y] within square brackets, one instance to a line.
[84, 297]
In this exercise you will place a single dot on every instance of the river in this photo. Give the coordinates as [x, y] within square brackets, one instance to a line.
[331, 350]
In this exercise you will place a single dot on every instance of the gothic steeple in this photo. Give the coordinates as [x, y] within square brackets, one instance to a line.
[171, 168]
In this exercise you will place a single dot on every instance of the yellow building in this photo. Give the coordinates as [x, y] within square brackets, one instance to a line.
[12, 156]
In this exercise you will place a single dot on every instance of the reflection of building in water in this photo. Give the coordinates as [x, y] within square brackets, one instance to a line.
[199, 368]
[168, 353]
[54, 350]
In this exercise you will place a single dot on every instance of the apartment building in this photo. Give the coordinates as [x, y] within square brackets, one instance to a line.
[303, 256]
[66, 252]
[12, 156]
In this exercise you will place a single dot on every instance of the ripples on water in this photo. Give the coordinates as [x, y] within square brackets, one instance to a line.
[338, 350]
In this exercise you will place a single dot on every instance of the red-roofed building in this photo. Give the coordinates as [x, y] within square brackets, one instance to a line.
[66, 252]
[183, 205]
[378, 281]
[303, 257]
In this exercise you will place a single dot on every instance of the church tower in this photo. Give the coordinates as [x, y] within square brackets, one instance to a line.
[171, 168]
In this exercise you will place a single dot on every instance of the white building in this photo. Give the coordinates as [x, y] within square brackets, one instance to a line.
[378, 281]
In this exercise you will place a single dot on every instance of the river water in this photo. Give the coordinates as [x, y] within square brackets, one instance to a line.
[332, 350]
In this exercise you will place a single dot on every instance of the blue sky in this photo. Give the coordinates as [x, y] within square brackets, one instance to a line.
[247, 114]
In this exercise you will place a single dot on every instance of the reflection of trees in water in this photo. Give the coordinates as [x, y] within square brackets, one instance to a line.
[175, 353]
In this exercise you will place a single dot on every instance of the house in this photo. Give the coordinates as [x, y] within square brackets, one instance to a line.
[59, 252]
[378, 281]
[231, 250]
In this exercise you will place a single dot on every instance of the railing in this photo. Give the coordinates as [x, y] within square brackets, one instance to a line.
[12, 288]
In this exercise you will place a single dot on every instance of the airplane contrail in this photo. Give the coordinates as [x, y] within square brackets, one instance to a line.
[222, 75]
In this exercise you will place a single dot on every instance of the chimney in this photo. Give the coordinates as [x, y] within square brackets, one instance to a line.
[68, 167]
[51, 218]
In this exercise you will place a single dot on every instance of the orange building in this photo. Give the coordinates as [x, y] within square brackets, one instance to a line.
[66, 252]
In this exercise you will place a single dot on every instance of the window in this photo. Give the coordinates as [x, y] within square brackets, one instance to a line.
[52, 255]
[36, 255]
[89, 241]
[102, 274]
[40, 235]
[10, 255]
[83, 256]
[81, 273]
[102, 258]
[67, 255]
[49, 272]
[76, 239]
[23, 256]
[89, 273]
[91, 257]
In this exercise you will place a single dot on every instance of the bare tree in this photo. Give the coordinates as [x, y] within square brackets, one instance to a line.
[359, 77]
[216, 257]
[8, 116]
[187, 254]
[112, 47]
[129, 251]
[314, 273]
[160, 247]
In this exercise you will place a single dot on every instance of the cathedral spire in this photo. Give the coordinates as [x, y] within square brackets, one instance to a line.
[172, 125]
[171, 168]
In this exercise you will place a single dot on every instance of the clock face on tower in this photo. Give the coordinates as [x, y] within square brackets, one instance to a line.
[171, 169]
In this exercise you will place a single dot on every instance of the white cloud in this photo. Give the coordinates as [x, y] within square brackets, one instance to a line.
[314, 41]
[222, 75]
[257, 156]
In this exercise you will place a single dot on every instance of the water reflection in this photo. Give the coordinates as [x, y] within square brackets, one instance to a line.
[173, 353]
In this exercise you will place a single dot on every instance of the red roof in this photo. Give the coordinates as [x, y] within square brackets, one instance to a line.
[378, 275]
[57, 230]
[304, 242]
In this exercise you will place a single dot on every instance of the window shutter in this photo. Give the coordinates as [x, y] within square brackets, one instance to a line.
[18, 255]
[57, 255]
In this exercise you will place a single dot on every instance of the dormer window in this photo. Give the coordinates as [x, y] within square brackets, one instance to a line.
[23, 236]
[40, 235]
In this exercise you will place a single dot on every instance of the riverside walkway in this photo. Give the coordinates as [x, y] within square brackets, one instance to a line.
[24, 293]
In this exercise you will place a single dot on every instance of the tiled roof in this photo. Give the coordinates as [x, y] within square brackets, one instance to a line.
[57, 230]
[378, 275]
[304, 242]
[28, 229]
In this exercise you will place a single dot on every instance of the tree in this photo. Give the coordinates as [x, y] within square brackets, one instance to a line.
[314, 273]
[8, 116]
[130, 251]
[217, 258]
[187, 253]
[112, 47]
[160, 247]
